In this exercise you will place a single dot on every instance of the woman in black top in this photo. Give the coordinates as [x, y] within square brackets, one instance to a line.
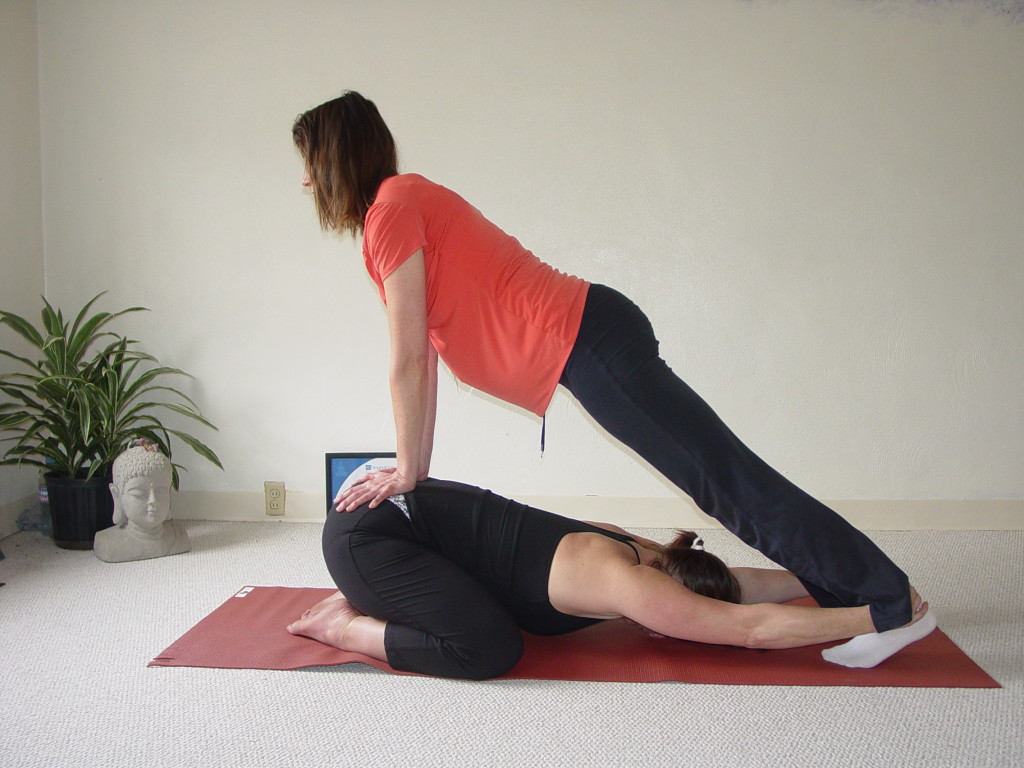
[445, 586]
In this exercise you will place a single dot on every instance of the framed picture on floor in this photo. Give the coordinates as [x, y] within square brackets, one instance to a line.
[344, 469]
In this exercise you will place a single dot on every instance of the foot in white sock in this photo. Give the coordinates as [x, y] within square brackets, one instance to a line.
[871, 650]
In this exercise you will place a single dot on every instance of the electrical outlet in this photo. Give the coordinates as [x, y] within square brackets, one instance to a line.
[273, 495]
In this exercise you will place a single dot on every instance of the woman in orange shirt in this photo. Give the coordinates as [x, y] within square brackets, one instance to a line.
[511, 325]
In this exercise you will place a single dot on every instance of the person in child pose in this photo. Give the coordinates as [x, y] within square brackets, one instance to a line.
[442, 579]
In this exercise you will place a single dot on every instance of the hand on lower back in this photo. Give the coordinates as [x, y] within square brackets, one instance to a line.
[373, 488]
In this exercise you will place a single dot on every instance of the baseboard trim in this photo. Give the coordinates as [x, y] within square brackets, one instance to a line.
[653, 512]
[246, 506]
[875, 515]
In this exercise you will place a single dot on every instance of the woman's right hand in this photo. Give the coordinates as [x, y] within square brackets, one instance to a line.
[373, 488]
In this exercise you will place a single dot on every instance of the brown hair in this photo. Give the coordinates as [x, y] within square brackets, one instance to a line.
[699, 571]
[348, 151]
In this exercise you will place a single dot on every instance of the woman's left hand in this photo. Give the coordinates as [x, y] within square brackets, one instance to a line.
[373, 488]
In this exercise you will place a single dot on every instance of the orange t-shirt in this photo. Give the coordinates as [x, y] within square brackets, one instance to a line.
[502, 320]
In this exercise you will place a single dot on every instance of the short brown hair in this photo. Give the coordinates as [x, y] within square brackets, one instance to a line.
[348, 151]
[699, 571]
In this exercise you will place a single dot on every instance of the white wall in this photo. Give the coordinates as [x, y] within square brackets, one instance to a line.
[21, 244]
[818, 203]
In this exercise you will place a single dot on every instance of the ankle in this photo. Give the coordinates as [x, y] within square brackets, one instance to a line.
[345, 633]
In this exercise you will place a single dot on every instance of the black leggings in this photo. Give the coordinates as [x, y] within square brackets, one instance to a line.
[618, 376]
[441, 620]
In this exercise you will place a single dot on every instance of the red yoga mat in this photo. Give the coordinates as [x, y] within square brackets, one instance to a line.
[248, 632]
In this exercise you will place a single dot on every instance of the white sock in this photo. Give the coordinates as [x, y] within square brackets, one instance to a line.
[871, 650]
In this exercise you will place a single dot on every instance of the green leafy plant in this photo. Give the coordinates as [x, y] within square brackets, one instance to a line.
[76, 408]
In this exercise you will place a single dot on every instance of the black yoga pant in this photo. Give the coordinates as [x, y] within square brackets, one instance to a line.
[618, 376]
[441, 620]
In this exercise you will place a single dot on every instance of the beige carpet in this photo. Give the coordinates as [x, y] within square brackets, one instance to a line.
[76, 635]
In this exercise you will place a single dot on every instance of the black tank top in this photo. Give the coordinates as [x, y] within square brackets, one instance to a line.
[506, 545]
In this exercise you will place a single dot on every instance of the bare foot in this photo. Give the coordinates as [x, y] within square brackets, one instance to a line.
[327, 621]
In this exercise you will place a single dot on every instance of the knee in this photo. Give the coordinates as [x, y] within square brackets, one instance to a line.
[491, 656]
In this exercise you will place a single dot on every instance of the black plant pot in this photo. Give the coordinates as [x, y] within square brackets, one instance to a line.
[79, 509]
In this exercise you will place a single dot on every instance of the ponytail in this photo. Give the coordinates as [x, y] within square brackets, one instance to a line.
[702, 572]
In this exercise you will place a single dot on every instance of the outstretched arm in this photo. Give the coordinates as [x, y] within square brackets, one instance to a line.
[413, 378]
[660, 603]
[768, 585]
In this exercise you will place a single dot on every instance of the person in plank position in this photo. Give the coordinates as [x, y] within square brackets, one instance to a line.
[507, 323]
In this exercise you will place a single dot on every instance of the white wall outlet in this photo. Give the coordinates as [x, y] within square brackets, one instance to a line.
[273, 495]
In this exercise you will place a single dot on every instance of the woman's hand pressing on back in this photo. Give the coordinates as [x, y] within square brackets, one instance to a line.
[373, 488]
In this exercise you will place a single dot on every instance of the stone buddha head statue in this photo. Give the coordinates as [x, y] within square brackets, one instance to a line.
[141, 489]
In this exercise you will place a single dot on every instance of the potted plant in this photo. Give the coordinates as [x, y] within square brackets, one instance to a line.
[75, 408]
